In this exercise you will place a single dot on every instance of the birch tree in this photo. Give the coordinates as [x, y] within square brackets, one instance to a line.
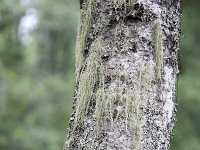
[126, 72]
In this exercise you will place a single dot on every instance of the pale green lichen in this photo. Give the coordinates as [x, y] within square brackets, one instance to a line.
[100, 102]
[147, 76]
[119, 2]
[123, 94]
[117, 33]
[127, 46]
[129, 98]
[88, 79]
[132, 111]
[84, 27]
[68, 143]
[128, 4]
[158, 49]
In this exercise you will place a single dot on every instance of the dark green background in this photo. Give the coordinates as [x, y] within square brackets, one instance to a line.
[37, 79]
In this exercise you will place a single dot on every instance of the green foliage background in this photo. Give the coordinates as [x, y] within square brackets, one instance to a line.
[37, 75]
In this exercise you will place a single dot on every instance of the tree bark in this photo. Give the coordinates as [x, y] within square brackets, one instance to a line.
[126, 72]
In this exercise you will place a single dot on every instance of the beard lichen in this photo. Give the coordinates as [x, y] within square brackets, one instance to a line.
[158, 49]
[125, 100]
[126, 3]
[84, 27]
[111, 105]
[88, 79]
[122, 103]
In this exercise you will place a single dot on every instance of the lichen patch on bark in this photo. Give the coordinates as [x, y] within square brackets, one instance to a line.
[126, 66]
[84, 27]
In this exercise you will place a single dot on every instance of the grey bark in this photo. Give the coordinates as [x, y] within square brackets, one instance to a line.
[126, 68]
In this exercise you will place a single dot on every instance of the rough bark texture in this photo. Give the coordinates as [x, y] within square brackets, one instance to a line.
[126, 68]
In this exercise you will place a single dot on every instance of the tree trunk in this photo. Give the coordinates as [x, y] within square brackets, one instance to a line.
[126, 69]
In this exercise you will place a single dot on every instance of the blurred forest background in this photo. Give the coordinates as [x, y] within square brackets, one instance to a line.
[37, 39]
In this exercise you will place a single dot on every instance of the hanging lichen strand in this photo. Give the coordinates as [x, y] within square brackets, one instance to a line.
[88, 79]
[158, 49]
[84, 27]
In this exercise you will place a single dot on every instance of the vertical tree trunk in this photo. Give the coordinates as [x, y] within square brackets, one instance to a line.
[126, 68]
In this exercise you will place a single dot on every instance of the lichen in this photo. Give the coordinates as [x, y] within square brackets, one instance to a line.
[68, 143]
[88, 79]
[143, 86]
[158, 49]
[147, 74]
[117, 33]
[132, 112]
[127, 96]
[119, 2]
[84, 27]
[126, 3]
[127, 46]
[129, 99]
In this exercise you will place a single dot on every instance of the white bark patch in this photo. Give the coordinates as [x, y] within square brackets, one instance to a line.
[125, 63]
[156, 10]
[153, 7]
[147, 2]
[168, 93]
